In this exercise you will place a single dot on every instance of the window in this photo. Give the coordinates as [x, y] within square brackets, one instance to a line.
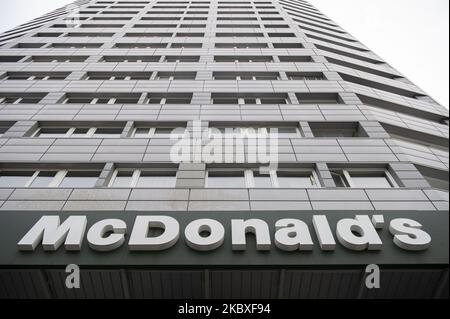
[236, 19]
[291, 58]
[195, 18]
[235, 25]
[49, 178]
[185, 45]
[294, 179]
[380, 86]
[236, 76]
[160, 18]
[116, 12]
[89, 34]
[116, 76]
[271, 19]
[254, 132]
[75, 18]
[436, 178]
[409, 138]
[32, 76]
[169, 98]
[155, 25]
[107, 132]
[78, 132]
[164, 12]
[149, 34]
[253, 178]
[350, 55]
[181, 58]
[362, 178]
[29, 45]
[225, 179]
[337, 43]
[104, 98]
[51, 132]
[318, 98]
[5, 126]
[305, 76]
[235, 12]
[190, 34]
[262, 180]
[21, 98]
[122, 178]
[9, 58]
[140, 45]
[235, 35]
[156, 179]
[362, 68]
[142, 131]
[175, 75]
[47, 35]
[241, 45]
[75, 45]
[337, 129]
[109, 18]
[143, 178]
[276, 26]
[79, 179]
[131, 58]
[379, 104]
[240, 58]
[15, 178]
[43, 179]
[249, 98]
[281, 35]
[289, 132]
[288, 46]
[58, 59]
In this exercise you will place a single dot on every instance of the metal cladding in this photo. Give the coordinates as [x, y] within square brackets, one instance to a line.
[285, 150]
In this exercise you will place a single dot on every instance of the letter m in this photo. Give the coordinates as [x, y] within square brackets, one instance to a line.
[52, 234]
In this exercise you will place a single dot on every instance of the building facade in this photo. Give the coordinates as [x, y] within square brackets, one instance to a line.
[90, 96]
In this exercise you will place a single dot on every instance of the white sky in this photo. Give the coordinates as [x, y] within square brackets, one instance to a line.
[411, 35]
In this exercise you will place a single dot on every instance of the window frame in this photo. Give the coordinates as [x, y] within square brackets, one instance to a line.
[57, 178]
[71, 130]
[260, 131]
[348, 180]
[136, 174]
[152, 131]
[249, 177]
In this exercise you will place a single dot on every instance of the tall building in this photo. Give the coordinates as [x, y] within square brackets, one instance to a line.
[343, 161]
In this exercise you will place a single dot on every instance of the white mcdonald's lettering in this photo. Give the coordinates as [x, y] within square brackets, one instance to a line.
[155, 233]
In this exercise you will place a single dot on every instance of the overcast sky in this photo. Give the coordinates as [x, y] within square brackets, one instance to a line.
[411, 35]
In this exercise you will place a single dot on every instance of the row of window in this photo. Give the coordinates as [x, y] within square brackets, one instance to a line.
[153, 58]
[165, 18]
[172, 6]
[295, 11]
[318, 129]
[162, 45]
[215, 178]
[49, 178]
[182, 2]
[178, 12]
[156, 25]
[126, 76]
[169, 34]
[287, 130]
[174, 98]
